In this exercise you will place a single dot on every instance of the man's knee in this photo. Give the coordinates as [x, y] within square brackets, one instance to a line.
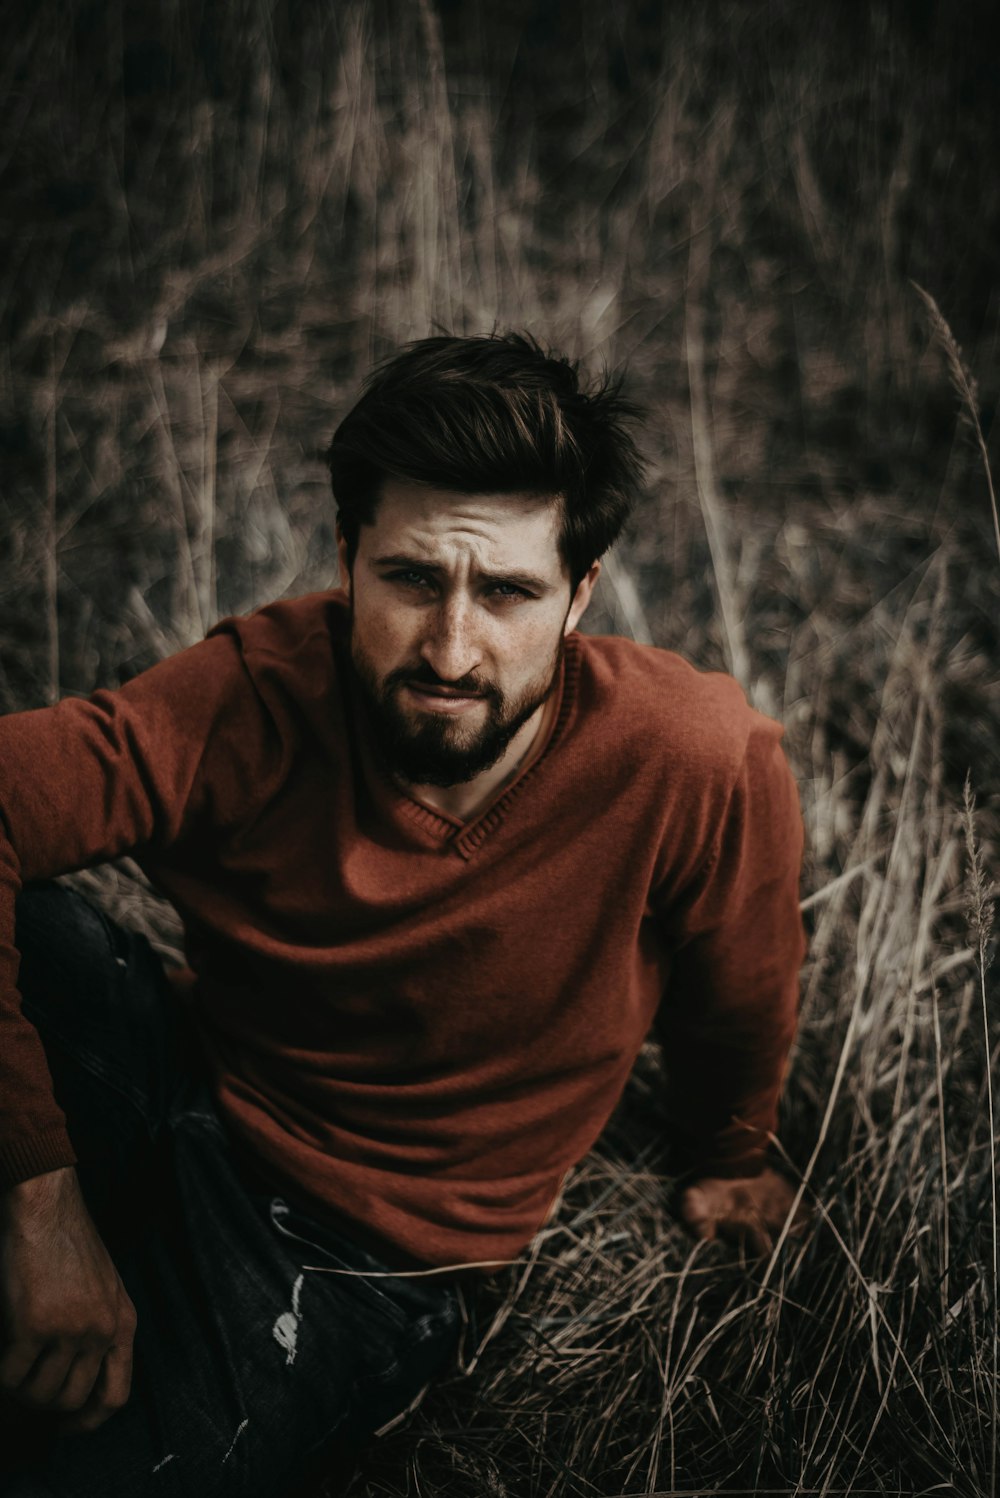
[64, 943]
[98, 996]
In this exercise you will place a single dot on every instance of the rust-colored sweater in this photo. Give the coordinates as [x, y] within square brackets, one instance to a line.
[416, 1024]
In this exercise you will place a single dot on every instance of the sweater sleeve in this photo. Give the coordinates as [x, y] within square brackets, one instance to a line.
[728, 1014]
[88, 780]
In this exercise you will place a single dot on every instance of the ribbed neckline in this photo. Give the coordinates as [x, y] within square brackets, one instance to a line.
[466, 838]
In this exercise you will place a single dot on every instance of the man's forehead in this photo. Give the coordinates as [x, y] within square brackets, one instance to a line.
[420, 519]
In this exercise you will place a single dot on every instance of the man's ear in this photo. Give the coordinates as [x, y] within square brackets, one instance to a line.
[343, 562]
[581, 597]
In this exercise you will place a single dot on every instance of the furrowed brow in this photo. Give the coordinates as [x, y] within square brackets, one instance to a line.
[400, 559]
[528, 580]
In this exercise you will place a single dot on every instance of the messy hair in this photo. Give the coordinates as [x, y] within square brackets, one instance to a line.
[495, 414]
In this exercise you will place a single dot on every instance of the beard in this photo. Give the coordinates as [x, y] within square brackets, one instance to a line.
[434, 749]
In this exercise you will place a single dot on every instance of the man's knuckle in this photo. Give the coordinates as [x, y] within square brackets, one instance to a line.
[37, 1323]
[89, 1421]
[56, 1334]
[19, 1350]
[100, 1329]
[66, 1401]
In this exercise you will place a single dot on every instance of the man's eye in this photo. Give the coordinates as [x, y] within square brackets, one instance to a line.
[410, 578]
[509, 590]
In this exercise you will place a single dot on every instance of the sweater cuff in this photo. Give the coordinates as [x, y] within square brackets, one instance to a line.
[686, 1174]
[689, 1160]
[35, 1156]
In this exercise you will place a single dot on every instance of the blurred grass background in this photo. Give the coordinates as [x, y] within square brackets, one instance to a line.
[216, 216]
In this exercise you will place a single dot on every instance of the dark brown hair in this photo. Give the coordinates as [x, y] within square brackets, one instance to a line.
[491, 415]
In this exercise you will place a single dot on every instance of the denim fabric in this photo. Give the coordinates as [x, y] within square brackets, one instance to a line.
[249, 1357]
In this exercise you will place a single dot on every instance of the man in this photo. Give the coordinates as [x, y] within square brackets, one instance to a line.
[442, 862]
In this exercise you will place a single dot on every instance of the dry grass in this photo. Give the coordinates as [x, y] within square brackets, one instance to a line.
[215, 230]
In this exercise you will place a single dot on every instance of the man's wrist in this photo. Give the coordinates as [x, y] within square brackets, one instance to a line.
[37, 1193]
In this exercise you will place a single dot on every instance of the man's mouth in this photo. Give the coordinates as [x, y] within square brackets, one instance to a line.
[442, 699]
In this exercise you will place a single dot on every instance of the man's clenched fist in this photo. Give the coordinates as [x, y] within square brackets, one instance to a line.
[751, 1211]
[66, 1323]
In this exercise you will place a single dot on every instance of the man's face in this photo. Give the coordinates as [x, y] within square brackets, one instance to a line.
[460, 604]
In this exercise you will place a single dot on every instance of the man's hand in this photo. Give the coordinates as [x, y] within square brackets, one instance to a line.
[66, 1323]
[750, 1211]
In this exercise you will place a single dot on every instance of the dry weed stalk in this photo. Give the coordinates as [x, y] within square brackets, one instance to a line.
[980, 908]
[964, 385]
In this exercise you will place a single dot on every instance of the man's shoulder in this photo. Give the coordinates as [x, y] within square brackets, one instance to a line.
[289, 628]
[291, 658]
[662, 704]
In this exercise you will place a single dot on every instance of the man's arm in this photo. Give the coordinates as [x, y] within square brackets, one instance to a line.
[728, 1016]
[79, 783]
[185, 744]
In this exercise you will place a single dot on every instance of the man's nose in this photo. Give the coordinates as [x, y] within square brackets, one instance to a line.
[450, 646]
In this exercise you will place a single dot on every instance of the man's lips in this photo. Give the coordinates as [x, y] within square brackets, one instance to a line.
[442, 699]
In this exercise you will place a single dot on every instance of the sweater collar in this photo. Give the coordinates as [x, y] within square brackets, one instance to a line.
[433, 828]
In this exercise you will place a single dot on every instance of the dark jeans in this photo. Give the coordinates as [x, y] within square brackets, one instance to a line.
[247, 1362]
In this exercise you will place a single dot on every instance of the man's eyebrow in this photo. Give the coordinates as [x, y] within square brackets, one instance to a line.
[528, 580]
[400, 559]
[519, 579]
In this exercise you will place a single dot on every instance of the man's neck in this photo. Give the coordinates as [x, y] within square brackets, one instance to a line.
[466, 801]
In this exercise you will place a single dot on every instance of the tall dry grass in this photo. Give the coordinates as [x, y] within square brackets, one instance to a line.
[217, 218]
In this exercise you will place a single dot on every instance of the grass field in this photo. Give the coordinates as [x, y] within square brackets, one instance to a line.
[218, 216]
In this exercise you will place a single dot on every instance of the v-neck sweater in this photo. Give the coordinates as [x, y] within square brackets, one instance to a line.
[413, 1024]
